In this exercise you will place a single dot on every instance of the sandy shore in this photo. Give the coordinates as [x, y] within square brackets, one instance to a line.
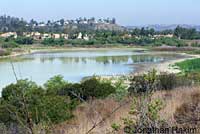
[167, 66]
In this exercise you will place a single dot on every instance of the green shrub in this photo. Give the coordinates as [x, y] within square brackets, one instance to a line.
[28, 104]
[145, 83]
[167, 81]
[89, 88]
[10, 45]
[55, 109]
[95, 88]
[163, 81]
[170, 42]
[24, 40]
[53, 42]
[55, 84]
[195, 44]
[144, 113]
[121, 90]
[72, 90]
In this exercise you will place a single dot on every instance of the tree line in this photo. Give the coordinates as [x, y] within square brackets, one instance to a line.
[71, 27]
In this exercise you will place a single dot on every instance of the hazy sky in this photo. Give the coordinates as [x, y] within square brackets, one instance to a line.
[127, 12]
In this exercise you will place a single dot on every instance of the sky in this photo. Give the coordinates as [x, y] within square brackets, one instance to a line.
[127, 12]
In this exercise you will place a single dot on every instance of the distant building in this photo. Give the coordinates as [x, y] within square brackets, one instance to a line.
[9, 34]
[161, 35]
[41, 24]
[56, 36]
[80, 35]
[65, 36]
[86, 37]
[127, 36]
[37, 35]
[46, 36]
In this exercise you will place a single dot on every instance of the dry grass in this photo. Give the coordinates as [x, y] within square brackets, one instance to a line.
[188, 114]
[86, 114]
[174, 99]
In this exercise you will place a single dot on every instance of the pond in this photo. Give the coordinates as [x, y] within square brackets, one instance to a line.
[75, 65]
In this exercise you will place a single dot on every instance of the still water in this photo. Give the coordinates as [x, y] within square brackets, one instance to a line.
[74, 65]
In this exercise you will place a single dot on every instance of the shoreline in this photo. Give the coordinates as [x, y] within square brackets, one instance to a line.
[169, 65]
[52, 50]
[165, 66]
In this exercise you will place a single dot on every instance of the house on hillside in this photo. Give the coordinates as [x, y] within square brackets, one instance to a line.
[36, 35]
[65, 36]
[86, 37]
[27, 34]
[80, 36]
[127, 36]
[162, 35]
[9, 34]
[56, 36]
[41, 24]
[46, 36]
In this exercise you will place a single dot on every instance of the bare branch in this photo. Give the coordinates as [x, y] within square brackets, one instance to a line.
[13, 69]
[108, 116]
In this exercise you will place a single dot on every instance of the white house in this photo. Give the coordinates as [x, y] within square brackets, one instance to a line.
[56, 36]
[9, 34]
[36, 35]
[86, 37]
[161, 35]
[80, 35]
[65, 36]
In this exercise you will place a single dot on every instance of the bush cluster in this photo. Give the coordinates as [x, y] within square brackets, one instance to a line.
[27, 104]
[164, 81]
[90, 88]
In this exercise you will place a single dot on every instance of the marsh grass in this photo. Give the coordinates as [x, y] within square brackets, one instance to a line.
[189, 65]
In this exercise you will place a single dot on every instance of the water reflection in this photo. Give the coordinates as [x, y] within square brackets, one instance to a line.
[75, 65]
[125, 59]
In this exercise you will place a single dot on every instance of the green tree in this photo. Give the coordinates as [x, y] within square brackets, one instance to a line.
[27, 105]
[55, 84]
[95, 88]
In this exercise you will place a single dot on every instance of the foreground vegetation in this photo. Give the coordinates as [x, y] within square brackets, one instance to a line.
[30, 108]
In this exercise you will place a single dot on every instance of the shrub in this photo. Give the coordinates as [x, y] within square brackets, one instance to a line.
[28, 105]
[72, 90]
[195, 44]
[55, 84]
[92, 87]
[163, 81]
[145, 83]
[56, 109]
[121, 90]
[167, 81]
[53, 42]
[95, 88]
[10, 45]
[144, 113]
[24, 40]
